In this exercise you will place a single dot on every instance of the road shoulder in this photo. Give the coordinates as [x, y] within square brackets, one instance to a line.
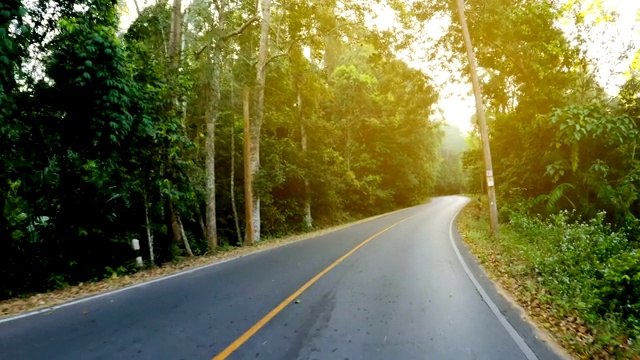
[536, 337]
[17, 308]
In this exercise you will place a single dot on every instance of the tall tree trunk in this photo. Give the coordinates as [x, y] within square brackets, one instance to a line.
[232, 182]
[248, 183]
[329, 28]
[215, 65]
[256, 123]
[348, 146]
[203, 227]
[173, 54]
[178, 230]
[210, 160]
[148, 226]
[185, 240]
[175, 38]
[308, 220]
[175, 224]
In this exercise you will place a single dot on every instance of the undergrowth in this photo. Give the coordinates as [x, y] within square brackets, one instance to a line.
[579, 279]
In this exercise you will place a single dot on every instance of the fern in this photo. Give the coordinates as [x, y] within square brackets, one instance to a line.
[559, 193]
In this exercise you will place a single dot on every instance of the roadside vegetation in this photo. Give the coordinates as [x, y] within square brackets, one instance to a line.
[577, 279]
[217, 124]
[567, 176]
[170, 130]
[47, 300]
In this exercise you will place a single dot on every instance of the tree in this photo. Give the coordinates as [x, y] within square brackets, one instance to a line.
[160, 83]
[219, 28]
[593, 161]
[155, 156]
[449, 180]
[258, 118]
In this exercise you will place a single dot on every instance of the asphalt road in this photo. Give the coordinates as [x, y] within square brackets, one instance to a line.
[403, 294]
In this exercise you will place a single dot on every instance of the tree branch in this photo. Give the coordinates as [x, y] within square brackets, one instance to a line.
[282, 54]
[517, 62]
[135, 2]
[239, 30]
[216, 3]
[275, 57]
[229, 35]
[197, 54]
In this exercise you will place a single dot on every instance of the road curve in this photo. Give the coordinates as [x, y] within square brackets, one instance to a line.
[409, 291]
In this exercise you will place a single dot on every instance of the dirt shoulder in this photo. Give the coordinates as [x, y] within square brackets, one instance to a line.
[43, 301]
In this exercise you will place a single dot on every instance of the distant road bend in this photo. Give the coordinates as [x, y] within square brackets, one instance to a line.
[401, 286]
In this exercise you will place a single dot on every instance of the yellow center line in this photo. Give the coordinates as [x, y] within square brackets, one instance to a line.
[262, 322]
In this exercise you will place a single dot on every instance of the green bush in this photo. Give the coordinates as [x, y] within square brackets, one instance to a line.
[585, 266]
[585, 272]
[570, 256]
[620, 290]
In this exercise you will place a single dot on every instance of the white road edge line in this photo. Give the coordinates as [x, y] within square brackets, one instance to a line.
[528, 353]
[188, 271]
[126, 288]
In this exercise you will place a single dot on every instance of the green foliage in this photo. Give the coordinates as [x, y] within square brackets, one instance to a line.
[86, 146]
[620, 289]
[371, 147]
[102, 136]
[450, 174]
[565, 164]
[583, 269]
[629, 99]
[554, 134]
[12, 48]
[590, 149]
[571, 257]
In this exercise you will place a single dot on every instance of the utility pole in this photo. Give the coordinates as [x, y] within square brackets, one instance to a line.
[491, 189]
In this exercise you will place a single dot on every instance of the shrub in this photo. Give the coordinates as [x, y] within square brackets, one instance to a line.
[620, 288]
[586, 272]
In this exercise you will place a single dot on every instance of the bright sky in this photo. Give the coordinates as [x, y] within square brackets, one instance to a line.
[456, 99]
[456, 102]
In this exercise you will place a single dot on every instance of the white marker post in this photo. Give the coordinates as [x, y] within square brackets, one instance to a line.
[490, 178]
[135, 243]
